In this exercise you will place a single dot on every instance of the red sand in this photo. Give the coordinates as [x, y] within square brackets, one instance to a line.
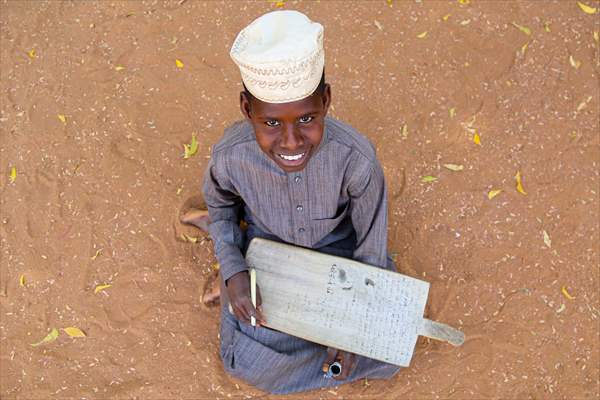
[112, 177]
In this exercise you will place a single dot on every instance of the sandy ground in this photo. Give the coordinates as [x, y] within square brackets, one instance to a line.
[97, 197]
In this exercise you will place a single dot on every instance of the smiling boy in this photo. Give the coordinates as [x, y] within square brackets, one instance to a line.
[293, 175]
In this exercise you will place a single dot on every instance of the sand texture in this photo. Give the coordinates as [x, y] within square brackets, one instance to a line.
[93, 117]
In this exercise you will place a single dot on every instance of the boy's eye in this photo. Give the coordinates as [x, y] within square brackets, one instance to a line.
[305, 119]
[272, 123]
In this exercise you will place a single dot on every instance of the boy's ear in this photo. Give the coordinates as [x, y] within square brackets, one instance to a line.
[326, 97]
[245, 105]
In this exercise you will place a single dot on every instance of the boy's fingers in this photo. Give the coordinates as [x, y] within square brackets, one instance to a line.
[331, 356]
[348, 360]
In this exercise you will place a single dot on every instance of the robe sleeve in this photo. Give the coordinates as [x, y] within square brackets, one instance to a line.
[224, 207]
[368, 211]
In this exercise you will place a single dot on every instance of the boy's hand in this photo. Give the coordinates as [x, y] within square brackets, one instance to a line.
[347, 360]
[238, 291]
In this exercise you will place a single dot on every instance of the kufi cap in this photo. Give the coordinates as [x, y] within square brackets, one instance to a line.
[280, 56]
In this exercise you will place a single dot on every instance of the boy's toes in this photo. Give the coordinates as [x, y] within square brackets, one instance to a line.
[212, 291]
[198, 218]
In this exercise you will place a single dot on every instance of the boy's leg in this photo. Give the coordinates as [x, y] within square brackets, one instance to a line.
[198, 218]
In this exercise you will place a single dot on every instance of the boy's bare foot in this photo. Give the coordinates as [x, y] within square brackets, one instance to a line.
[196, 217]
[212, 290]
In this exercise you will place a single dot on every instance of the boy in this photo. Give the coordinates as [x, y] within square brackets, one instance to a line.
[292, 175]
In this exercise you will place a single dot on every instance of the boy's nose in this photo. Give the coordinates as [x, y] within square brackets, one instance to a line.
[292, 139]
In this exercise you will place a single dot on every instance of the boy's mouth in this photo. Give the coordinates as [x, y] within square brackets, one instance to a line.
[292, 160]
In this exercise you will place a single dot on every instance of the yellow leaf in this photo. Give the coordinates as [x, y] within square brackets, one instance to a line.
[494, 193]
[596, 36]
[587, 9]
[547, 240]
[178, 63]
[216, 266]
[31, 53]
[119, 68]
[429, 178]
[13, 174]
[22, 280]
[524, 48]
[190, 149]
[464, 2]
[522, 28]
[280, 4]
[404, 131]
[519, 183]
[98, 252]
[422, 35]
[74, 332]
[179, 189]
[51, 337]
[62, 118]
[187, 238]
[476, 139]
[547, 26]
[561, 308]
[574, 63]
[454, 167]
[445, 17]
[566, 293]
[452, 112]
[389, 2]
[100, 288]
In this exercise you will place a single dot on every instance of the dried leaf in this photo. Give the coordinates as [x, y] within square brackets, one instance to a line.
[464, 2]
[428, 178]
[476, 139]
[100, 288]
[445, 17]
[404, 131]
[561, 308]
[494, 193]
[524, 48]
[179, 190]
[596, 36]
[62, 118]
[51, 337]
[22, 280]
[465, 22]
[454, 167]
[187, 238]
[587, 9]
[190, 149]
[378, 25]
[31, 53]
[13, 174]
[74, 332]
[566, 293]
[519, 183]
[178, 63]
[547, 240]
[522, 28]
[547, 26]
[452, 112]
[422, 35]
[119, 68]
[574, 63]
[216, 266]
[98, 252]
[389, 2]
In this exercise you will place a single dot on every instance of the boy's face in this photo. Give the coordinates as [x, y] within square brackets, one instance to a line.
[289, 133]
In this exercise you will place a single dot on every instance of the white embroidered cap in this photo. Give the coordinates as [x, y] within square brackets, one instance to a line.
[280, 56]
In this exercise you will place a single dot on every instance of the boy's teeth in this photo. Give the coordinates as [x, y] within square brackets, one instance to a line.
[292, 158]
